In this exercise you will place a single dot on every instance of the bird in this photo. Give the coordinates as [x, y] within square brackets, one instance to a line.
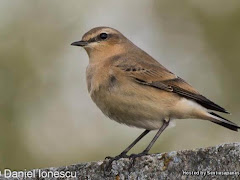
[132, 88]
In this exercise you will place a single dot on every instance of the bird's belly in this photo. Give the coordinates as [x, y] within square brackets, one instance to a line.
[133, 109]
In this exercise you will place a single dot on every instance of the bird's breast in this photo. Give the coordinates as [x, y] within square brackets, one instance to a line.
[124, 101]
[100, 77]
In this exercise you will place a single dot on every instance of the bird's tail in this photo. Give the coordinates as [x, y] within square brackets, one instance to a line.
[223, 122]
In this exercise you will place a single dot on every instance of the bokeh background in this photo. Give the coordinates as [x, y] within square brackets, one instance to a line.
[46, 115]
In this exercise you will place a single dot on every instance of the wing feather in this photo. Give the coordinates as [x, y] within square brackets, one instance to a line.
[155, 75]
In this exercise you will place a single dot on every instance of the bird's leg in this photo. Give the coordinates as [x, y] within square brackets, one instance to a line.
[145, 152]
[124, 153]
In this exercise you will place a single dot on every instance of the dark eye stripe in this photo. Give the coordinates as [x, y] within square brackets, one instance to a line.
[98, 38]
[92, 40]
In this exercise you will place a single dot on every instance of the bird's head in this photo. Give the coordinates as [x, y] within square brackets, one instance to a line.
[102, 42]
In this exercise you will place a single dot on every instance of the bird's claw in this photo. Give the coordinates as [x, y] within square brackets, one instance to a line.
[108, 157]
[134, 156]
[111, 159]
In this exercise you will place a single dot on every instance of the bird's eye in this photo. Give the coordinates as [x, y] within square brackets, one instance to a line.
[103, 36]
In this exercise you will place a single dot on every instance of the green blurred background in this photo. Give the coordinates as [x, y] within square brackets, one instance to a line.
[47, 117]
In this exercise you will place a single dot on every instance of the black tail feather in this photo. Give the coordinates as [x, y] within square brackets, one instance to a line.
[228, 124]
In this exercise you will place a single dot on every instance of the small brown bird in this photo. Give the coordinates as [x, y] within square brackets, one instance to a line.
[132, 88]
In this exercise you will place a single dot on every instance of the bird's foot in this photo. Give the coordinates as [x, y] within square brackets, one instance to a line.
[134, 156]
[122, 155]
[111, 159]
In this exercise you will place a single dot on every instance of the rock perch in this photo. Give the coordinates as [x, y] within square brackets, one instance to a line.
[219, 162]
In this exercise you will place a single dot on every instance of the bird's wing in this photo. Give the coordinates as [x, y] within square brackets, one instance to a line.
[155, 75]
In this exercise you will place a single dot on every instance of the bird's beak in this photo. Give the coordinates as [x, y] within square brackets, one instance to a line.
[80, 43]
